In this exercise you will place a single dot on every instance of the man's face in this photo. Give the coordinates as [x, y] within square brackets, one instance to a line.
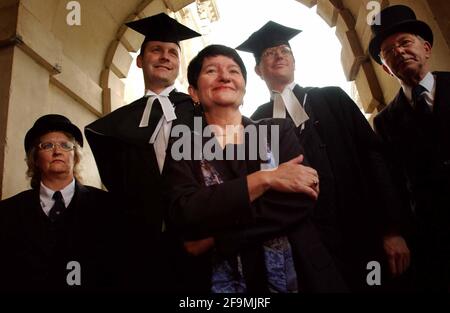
[56, 161]
[277, 66]
[160, 63]
[405, 56]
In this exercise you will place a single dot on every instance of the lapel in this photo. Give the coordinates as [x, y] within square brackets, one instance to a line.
[300, 92]
[404, 121]
[253, 165]
[308, 106]
[442, 97]
[407, 135]
[35, 223]
[184, 108]
[125, 124]
[219, 165]
[79, 199]
[403, 114]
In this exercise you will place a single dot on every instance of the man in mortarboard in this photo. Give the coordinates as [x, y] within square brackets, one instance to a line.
[129, 146]
[415, 128]
[340, 145]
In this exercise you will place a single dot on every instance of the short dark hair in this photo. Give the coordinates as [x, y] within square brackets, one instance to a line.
[195, 66]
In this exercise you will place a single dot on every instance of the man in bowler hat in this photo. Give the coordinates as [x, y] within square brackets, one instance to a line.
[415, 129]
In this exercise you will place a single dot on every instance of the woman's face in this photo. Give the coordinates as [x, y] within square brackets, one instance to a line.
[55, 161]
[220, 83]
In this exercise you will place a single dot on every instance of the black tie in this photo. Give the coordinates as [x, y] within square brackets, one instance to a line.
[418, 96]
[58, 207]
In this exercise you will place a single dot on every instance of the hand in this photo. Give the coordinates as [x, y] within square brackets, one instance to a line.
[198, 247]
[292, 176]
[398, 254]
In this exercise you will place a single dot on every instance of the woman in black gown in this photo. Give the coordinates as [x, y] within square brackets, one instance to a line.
[240, 200]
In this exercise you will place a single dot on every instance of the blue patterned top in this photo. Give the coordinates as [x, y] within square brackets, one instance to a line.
[227, 275]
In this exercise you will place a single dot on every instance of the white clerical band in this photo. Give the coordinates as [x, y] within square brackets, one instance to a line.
[162, 129]
[288, 101]
[166, 105]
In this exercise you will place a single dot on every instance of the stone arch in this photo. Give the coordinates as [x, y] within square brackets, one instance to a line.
[50, 67]
[354, 35]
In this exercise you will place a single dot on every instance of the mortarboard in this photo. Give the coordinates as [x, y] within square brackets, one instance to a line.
[270, 35]
[161, 27]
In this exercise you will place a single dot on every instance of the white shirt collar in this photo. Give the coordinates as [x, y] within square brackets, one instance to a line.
[428, 82]
[165, 92]
[46, 196]
[290, 86]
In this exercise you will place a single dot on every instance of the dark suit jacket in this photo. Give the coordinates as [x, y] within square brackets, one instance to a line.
[129, 170]
[240, 227]
[354, 180]
[35, 251]
[418, 147]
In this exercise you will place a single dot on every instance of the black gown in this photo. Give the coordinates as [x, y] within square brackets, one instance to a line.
[129, 170]
[356, 188]
[224, 211]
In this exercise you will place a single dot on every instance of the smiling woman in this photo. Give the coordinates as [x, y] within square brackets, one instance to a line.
[53, 156]
[220, 84]
[246, 222]
[55, 161]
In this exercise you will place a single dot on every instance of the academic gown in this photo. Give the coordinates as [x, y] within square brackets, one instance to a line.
[355, 184]
[224, 211]
[418, 148]
[129, 169]
[36, 252]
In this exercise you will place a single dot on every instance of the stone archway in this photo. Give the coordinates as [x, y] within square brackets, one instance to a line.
[354, 35]
[49, 66]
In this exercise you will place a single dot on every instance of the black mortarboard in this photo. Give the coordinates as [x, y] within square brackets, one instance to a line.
[270, 35]
[161, 27]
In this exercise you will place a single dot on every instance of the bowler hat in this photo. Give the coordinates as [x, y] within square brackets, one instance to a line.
[396, 19]
[49, 123]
